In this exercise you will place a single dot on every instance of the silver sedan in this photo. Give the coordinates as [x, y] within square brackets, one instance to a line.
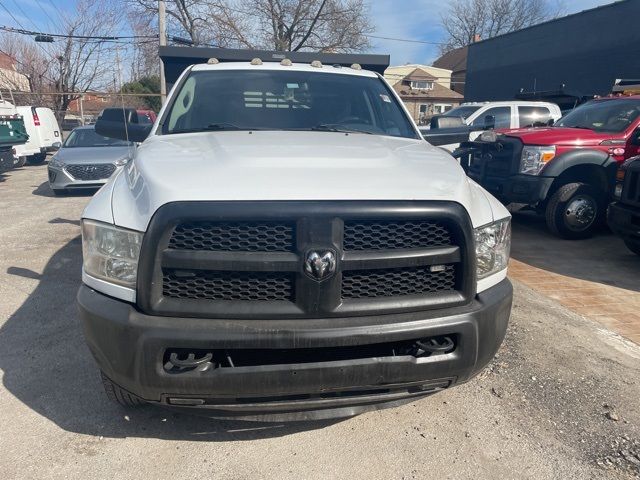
[87, 160]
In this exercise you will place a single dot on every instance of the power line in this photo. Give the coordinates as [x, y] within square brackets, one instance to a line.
[407, 40]
[103, 38]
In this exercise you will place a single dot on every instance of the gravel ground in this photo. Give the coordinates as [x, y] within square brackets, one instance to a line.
[560, 400]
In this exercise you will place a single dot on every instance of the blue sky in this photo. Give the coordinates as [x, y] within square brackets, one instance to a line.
[409, 19]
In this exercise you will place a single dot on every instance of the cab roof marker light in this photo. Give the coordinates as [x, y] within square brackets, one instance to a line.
[356, 66]
[316, 64]
[213, 61]
[285, 62]
[256, 61]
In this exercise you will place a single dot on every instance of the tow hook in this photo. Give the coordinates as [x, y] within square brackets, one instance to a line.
[436, 345]
[201, 364]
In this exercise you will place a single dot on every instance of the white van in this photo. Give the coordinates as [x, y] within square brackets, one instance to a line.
[44, 133]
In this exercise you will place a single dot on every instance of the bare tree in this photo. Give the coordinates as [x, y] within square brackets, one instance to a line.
[286, 25]
[84, 64]
[467, 20]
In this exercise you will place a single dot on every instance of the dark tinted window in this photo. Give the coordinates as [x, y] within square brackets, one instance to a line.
[87, 137]
[285, 100]
[463, 111]
[533, 116]
[603, 115]
[502, 117]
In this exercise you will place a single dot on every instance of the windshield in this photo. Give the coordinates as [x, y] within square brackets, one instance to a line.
[463, 111]
[603, 115]
[285, 100]
[87, 137]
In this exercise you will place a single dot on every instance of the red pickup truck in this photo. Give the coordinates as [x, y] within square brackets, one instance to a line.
[566, 171]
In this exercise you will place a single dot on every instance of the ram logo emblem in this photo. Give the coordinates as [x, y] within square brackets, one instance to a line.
[320, 265]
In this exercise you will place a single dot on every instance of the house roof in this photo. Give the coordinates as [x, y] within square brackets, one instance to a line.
[438, 91]
[455, 60]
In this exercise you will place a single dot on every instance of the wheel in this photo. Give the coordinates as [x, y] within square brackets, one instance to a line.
[634, 246]
[58, 192]
[21, 162]
[119, 395]
[37, 159]
[575, 210]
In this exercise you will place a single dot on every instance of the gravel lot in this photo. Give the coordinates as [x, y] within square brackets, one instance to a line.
[560, 401]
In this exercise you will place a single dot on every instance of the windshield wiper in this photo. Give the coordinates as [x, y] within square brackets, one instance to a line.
[212, 127]
[333, 127]
[582, 127]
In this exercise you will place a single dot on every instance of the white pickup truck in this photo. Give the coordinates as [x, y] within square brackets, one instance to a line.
[467, 121]
[285, 245]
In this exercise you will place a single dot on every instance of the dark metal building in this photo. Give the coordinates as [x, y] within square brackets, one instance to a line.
[563, 60]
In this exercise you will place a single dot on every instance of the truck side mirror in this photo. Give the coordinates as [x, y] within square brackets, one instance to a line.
[489, 122]
[444, 121]
[122, 124]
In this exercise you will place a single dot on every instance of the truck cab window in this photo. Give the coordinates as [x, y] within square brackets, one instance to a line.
[286, 100]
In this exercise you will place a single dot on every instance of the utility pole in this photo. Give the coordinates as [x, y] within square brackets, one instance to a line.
[162, 25]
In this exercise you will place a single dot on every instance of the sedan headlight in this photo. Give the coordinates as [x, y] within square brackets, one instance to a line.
[110, 253]
[535, 158]
[493, 244]
[122, 161]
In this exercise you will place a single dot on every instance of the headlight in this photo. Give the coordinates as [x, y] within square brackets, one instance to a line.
[493, 244]
[535, 158]
[110, 253]
[54, 162]
[122, 161]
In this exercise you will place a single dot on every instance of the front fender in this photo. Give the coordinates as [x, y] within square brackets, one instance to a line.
[577, 157]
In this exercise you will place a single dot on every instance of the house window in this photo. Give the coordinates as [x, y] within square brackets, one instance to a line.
[423, 85]
[442, 107]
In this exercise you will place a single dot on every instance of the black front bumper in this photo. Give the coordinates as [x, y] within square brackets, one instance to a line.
[526, 189]
[624, 220]
[130, 346]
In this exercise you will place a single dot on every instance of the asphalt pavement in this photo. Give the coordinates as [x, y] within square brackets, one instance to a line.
[559, 402]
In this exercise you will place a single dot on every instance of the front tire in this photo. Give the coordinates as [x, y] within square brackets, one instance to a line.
[575, 211]
[21, 162]
[634, 246]
[119, 395]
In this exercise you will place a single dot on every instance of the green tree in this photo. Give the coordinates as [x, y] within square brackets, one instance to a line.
[145, 85]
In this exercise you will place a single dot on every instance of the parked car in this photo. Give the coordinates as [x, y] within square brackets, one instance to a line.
[87, 160]
[44, 134]
[146, 116]
[467, 121]
[624, 213]
[313, 260]
[566, 171]
[69, 124]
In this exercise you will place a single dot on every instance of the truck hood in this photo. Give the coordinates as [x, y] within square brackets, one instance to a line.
[560, 136]
[279, 165]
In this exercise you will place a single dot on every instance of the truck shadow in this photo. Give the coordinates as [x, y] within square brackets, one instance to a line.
[48, 367]
[602, 259]
[44, 190]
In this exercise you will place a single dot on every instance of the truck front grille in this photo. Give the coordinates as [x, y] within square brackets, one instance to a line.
[397, 282]
[631, 190]
[377, 235]
[498, 159]
[247, 259]
[233, 236]
[91, 172]
[238, 286]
